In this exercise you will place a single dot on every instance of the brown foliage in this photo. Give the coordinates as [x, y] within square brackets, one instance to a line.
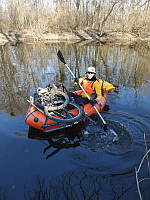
[104, 16]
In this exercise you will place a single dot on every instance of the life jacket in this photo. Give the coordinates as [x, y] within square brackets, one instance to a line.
[87, 86]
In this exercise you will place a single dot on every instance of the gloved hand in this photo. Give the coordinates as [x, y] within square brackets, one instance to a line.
[76, 81]
[93, 102]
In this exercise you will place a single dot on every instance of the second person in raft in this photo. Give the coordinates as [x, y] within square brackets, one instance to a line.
[93, 86]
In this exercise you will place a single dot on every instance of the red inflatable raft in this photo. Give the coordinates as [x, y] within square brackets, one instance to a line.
[36, 117]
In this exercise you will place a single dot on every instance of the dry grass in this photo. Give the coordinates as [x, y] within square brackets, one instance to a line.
[103, 16]
[137, 170]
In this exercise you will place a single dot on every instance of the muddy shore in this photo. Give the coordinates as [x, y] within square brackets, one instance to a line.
[30, 36]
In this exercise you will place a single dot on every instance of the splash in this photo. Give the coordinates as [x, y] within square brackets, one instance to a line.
[116, 139]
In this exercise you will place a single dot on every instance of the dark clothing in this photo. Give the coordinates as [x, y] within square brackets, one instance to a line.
[78, 99]
[92, 79]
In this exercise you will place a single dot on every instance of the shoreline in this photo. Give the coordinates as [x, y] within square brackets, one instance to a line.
[83, 36]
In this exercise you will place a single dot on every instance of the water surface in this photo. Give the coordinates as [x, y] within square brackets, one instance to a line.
[74, 164]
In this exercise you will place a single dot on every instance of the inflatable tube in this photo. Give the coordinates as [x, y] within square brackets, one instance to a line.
[71, 120]
[37, 118]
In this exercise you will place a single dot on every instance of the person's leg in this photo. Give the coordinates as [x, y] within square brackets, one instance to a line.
[78, 99]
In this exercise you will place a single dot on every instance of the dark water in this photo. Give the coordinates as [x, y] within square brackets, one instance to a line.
[79, 163]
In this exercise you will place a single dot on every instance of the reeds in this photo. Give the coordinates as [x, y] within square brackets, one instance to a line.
[137, 170]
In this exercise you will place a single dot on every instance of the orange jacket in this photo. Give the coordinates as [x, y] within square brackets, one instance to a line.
[92, 87]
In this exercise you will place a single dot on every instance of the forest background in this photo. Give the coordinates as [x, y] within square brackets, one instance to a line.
[74, 19]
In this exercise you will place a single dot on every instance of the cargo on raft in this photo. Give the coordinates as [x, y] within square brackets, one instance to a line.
[51, 109]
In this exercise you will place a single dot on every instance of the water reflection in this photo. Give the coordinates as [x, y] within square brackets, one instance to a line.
[98, 174]
[81, 184]
[59, 140]
[88, 135]
[27, 66]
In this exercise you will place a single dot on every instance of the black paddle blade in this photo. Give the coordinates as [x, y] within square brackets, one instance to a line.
[105, 127]
[60, 56]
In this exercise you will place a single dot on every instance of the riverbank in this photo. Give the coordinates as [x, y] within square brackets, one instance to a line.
[31, 36]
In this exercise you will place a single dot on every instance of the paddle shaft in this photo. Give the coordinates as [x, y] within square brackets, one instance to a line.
[86, 94]
[60, 56]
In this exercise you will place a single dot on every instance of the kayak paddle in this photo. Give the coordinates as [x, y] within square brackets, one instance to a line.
[61, 58]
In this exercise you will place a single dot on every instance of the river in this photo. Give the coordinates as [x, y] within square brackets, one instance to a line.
[82, 165]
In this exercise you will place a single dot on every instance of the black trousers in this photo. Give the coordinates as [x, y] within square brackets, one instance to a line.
[78, 99]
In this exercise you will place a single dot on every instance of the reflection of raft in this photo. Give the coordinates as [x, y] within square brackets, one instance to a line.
[69, 116]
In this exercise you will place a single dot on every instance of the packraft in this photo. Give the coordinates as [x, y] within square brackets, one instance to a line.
[51, 109]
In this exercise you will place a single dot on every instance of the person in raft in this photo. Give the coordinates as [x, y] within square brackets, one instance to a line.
[93, 86]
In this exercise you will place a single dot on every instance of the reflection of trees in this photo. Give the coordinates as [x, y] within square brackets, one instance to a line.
[13, 91]
[122, 66]
[82, 184]
[21, 71]
[25, 67]
[10, 92]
